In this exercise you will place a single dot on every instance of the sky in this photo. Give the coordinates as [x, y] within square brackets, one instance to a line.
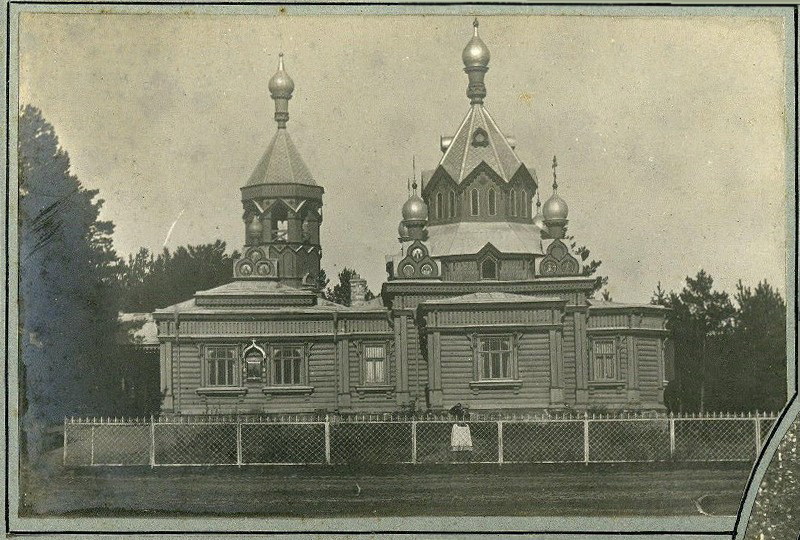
[670, 131]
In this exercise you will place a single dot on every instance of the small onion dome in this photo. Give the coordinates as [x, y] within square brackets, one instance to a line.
[255, 227]
[415, 209]
[476, 53]
[281, 85]
[402, 230]
[555, 208]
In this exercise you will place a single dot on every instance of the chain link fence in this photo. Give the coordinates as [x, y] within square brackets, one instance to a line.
[423, 439]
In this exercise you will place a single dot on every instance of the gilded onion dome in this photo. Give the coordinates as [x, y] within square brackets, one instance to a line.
[476, 53]
[555, 208]
[281, 85]
[415, 209]
[254, 227]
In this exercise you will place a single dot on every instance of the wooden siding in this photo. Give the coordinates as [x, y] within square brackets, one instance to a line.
[458, 370]
[568, 348]
[272, 327]
[649, 369]
[460, 318]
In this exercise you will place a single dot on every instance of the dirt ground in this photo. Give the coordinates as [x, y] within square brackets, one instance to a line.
[336, 491]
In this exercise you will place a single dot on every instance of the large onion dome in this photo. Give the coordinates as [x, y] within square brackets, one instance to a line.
[281, 85]
[476, 53]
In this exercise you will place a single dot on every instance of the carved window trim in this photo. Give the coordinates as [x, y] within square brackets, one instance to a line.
[301, 370]
[210, 366]
[480, 378]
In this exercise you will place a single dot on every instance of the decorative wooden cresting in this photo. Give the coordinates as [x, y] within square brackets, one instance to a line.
[558, 261]
[418, 263]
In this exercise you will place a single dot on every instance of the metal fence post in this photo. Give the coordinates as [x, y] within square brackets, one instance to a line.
[586, 437]
[500, 442]
[91, 449]
[758, 435]
[671, 436]
[327, 440]
[152, 442]
[413, 441]
[64, 457]
[238, 441]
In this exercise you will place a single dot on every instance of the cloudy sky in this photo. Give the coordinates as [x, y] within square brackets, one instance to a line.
[670, 131]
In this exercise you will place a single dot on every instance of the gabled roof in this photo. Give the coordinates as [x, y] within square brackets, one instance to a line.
[469, 237]
[281, 164]
[462, 156]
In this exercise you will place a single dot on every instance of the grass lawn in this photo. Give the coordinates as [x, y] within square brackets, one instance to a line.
[396, 490]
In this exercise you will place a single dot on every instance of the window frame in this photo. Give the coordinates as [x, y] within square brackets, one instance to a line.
[525, 203]
[511, 371]
[439, 205]
[616, 378]
[302, 370]
[384, 380]
[474, 202]
[491, 202]
[494, 262]
[451, 204]
[209, 375]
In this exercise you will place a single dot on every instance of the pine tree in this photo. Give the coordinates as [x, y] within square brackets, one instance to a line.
[68, 309]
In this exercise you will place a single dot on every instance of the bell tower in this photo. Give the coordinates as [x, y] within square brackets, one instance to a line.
[282, 206]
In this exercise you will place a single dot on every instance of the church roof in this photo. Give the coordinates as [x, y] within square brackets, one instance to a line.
[281, 164]
[605, 304]
[465, 153]
[469, 237]
[492, 298]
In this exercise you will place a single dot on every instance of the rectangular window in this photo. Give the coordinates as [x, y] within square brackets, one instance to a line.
[494, 356]
[221, 366]
[604, 361]
[287, 365]
[374, 364]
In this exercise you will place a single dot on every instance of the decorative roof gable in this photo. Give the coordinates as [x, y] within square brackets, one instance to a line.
[477, 140]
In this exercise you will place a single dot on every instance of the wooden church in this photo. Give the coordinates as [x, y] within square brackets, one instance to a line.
[485, 303]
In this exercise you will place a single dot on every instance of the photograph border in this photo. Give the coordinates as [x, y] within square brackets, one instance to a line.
[698, 526]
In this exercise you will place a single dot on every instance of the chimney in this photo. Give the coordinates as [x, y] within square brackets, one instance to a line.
[358, 290]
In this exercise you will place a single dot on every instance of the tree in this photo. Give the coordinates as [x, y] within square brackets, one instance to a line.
[590, 268]
[700, 321]
[68, 267]
[148, 283]
[758, 349]
[340, 293]
[321, 282]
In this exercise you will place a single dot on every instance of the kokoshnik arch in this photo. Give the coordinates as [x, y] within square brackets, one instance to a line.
[485, 302]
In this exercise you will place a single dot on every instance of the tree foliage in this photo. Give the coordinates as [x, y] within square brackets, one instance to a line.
[148, 283]
[68, 305]
[589, 268]
[341, 293]
[727, 357]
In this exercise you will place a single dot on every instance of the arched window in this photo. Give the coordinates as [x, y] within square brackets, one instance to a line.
[451, 207]
[280, 224]
[489, 269]
[492, 202]
[512, 201]
[439, 206]
[474, 202]
[526, 203]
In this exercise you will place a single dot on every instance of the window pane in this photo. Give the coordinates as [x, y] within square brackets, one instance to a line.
[474, 202]
[278, 373]
[492, 202]
[296, 371]
[220, 372]
[451, 208]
